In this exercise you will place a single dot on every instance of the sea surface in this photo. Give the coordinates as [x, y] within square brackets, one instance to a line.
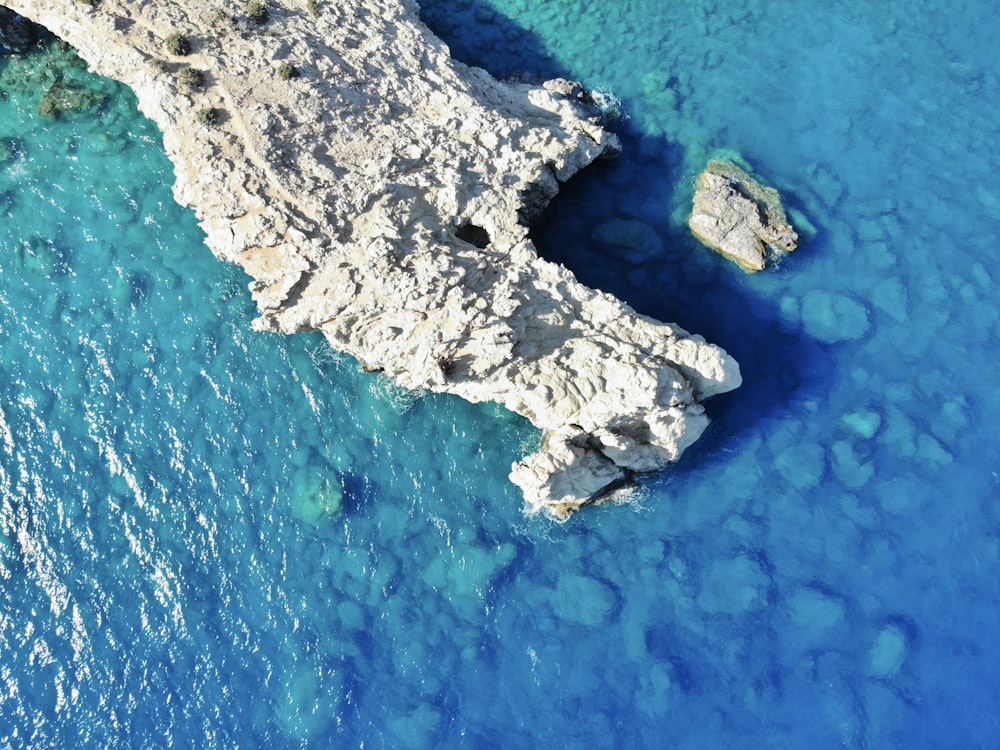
[216, 538]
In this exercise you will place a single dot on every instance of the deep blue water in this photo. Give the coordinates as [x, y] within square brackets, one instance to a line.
[211, 537]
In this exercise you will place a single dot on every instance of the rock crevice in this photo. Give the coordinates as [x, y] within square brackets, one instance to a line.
[383, 197]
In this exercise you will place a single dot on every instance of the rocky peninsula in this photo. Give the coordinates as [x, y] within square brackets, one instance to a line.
[381, 193]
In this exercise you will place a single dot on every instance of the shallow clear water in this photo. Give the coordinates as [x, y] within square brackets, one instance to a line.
[819, 571]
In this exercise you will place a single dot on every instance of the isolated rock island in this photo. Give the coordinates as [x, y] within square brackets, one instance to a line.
[380, 192]
[740, 218]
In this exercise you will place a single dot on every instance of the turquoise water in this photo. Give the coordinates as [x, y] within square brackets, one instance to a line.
[211, 537]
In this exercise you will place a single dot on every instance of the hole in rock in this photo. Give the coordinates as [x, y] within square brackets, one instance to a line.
[474, 235]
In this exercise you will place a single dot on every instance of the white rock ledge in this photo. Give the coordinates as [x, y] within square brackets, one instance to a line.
[346, 194]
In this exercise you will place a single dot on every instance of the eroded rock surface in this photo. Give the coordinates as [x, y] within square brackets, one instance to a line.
[739, 218]
[382, 197]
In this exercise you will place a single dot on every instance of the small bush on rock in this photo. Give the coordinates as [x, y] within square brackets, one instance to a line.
[313, 7]
[286, 71]
[208, 116]
[191, 78]
[256, 11]
[178, 45]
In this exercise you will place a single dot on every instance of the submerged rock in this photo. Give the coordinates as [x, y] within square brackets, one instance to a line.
[888, 652]
[383, 196]
[63, 97]
[739, 218]
[636, 241]
[832, 317]
[10, 149]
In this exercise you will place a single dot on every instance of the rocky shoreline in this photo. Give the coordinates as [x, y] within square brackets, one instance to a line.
[380, 192]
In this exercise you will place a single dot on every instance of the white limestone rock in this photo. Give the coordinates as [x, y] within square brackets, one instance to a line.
[383, 196]
[738, 217]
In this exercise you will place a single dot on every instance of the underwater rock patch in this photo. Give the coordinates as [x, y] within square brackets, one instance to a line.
[40, 257]
[316, 496]
[62, 97]
[734, 586]
[888, 652]
[635, 240]
[583, 600]
[814, 611]
[10, 150]
[802, 466]
[863, 422]
[832, 317]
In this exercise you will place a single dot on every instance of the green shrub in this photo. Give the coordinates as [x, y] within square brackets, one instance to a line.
[286, 71]
[191, 78]
[221, 18]
[178, 44]
[208, 116]
[256, 11]
[313, 7]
